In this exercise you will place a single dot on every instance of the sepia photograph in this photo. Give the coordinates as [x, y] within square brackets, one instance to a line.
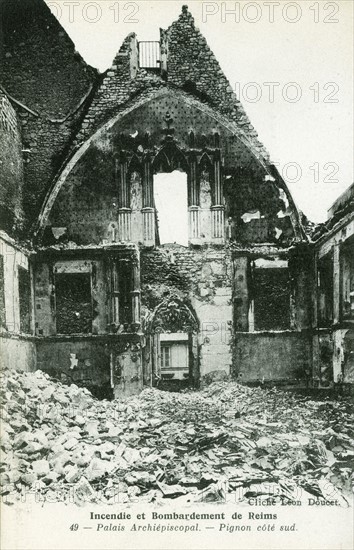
[176, 274]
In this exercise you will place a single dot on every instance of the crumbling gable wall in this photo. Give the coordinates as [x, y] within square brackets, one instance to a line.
[186, 63]
[258, 207]
[49, 84]
[85, 201]
[192, 65]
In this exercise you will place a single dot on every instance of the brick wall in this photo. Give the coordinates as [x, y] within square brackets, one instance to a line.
[42, 71]
[11, 168]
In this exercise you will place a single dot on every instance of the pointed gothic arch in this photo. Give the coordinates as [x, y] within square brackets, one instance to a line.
[170, 158]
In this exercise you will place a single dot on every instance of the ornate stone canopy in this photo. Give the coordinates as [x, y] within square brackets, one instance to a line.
[173, 315]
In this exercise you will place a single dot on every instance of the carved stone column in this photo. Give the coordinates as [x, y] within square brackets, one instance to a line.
[149, 226]
[218, 209]
[148, 204]
[194, 224]
[217, 181]
[148, 192]
[218, 223]
[123, 184]
[124, 211]
[193, 184]
[124, 224]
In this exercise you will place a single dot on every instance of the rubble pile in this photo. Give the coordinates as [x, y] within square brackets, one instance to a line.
[225, 443]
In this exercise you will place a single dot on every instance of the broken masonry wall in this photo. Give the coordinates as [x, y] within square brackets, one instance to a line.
[279, 357]
[107, 365]
[50, 86]
[11, 168]
[84, 212]
[201, 278]
[18, 349]
[257, 207]
[18, 352]
[333, 348]
[120, 83]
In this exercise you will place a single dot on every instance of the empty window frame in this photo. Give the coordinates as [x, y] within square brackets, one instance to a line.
[73, 303]
[271, 298]
[24, 290]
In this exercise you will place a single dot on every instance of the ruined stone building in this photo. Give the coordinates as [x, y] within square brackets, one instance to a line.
[334, 296]
[108, 280]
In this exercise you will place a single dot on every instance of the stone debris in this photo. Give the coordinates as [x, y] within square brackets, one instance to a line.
[227, 443]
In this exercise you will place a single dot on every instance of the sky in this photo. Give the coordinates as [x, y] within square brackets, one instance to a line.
[171, 201]
[290, 63]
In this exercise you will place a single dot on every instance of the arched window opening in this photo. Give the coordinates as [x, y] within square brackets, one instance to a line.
[171, 203]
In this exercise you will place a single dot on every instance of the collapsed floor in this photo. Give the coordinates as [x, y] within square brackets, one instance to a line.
[226, 443]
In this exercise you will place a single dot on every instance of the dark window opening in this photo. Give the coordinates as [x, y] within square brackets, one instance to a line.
[125, 291]
[2, 294]
[271, 293]
[325, 290]
[24, 289]
[73, 303]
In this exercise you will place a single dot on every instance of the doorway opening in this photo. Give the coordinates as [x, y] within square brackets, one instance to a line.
[171, 203]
